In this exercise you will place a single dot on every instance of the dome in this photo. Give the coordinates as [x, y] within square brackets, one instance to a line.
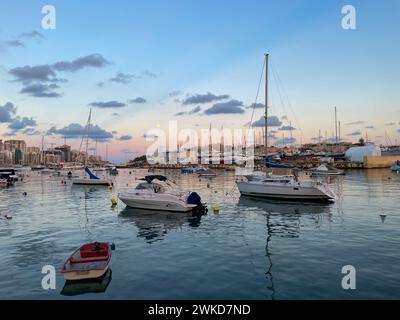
[357, 154]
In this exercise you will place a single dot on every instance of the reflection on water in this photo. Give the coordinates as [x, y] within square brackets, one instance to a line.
[74, 288]
[252, 249]
[154, 225]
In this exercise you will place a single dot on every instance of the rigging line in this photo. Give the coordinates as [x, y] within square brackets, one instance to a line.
[258, 91]
[289, 103]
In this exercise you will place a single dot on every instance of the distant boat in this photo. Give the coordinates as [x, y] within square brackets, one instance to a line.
[187, 170]
[325, 170]
[90, 261]
[396, 166]
[273, 164]
[207, 173]
[92, 180]
[38, 168]
[230, 169]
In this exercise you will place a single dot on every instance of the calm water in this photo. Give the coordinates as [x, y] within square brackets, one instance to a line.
[250, 250]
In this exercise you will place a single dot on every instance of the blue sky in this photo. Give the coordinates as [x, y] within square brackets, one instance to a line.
[200, 47]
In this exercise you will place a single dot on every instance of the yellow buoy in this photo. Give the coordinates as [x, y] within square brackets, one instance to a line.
[113, 202]
[215, 210]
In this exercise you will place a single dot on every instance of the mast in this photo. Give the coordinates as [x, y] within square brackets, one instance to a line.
[266, 105]
[336, 129]
[87, 135]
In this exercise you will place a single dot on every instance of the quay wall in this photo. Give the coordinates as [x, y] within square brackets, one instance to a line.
[371, 162]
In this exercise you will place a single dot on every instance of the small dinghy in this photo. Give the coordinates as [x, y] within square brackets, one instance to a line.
[90, 261]
[325, 170]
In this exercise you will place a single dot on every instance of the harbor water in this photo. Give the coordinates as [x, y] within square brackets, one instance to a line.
[250, 249]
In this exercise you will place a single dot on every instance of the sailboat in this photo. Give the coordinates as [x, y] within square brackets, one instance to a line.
[92, 179]
[288, 187]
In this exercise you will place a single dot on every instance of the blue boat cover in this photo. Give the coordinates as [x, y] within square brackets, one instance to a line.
[90, 173]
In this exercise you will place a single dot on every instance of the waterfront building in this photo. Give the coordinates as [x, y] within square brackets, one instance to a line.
[12, 145]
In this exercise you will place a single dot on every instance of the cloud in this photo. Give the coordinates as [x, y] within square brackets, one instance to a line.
[229, 107]
[115, 114]
[193, 111]
[354, 123]
[108, 104]
[19, 42]
[256, 106]
[287, 128]
[122, 78]
[273, 121]
[284, 141]
[125, 138]
[39, 90]
[21, 123]
[175, 93]
[100, 84]
[204, 98]
[149, 74]
[94, 60]
[14, 44]
[31, 132]
[75, 131]
[137, 100]
[28, 74]
[355, 133]
[7, 112]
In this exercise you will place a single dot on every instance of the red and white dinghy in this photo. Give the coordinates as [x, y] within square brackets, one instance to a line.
[90, 261]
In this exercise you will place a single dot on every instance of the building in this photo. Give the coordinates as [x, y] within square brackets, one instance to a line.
[66, 155]
[12, 145]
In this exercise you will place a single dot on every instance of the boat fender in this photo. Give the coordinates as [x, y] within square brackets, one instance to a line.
[25, 193]
[113, 202]
[112, 246]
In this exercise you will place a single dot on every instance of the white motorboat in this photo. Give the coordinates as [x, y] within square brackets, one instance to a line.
[157, 193]
[91, 180]
[325, 170]
[286, 187]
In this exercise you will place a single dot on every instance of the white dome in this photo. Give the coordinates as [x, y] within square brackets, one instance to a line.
[357, 153]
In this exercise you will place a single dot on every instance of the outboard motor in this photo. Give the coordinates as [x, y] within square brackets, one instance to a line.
[200, 208]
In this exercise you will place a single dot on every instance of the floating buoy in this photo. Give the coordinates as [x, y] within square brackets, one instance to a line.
[24, 193]
[215, 210]
[208, 185]
[110, 187]
[383, 217]
[113, 202]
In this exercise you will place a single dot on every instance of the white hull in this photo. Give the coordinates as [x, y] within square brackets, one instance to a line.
[288, 192]
[90, 182]
[155, 202]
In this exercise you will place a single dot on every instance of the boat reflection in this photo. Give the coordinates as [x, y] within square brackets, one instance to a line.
[283, 220]
[154, 225]
[73, 288]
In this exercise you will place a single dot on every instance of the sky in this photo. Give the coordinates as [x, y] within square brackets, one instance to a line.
[141, 64]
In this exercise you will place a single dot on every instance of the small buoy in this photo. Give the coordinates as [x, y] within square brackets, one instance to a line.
[208, 185]
[215, 210]
[8, 217]
[25, 193]
[130, 172]
[110, 187]
[112, 246]
[383, 217]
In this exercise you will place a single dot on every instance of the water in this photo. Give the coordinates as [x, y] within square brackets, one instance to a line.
[250, 250]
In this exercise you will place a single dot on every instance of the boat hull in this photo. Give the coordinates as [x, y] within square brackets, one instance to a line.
[84, 275]
[90, 182]
[289, 192]
[156, 204]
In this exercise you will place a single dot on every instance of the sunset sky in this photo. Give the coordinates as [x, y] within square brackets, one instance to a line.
[139, 64]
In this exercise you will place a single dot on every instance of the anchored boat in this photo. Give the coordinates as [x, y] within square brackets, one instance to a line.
[92, 180]
[158, 193]
[90, 261]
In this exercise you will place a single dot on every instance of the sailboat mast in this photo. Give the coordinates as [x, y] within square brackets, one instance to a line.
[266, 105]
[87, 135]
